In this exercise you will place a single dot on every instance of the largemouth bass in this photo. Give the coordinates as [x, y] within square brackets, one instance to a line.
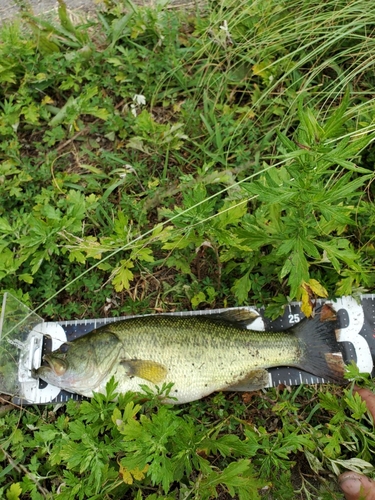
[198, 354]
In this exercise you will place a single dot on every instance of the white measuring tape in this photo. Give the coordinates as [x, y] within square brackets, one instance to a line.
[356, 334]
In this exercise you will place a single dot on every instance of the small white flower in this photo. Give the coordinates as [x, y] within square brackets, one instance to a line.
[128, 169]
[139, 99]
[133, 109]
[224, 27]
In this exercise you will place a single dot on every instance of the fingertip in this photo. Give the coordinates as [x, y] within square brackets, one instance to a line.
[350, 486]
[367, 396]
[363, 391]
[356, 486]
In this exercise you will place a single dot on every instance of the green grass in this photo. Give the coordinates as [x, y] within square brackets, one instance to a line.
[166, 185]
[280, 444]
[244, 174]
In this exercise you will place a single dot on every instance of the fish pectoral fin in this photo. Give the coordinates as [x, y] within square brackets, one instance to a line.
[148, 370]
[253, 381]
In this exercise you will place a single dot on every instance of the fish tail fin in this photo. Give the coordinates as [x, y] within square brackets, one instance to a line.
[321, 353]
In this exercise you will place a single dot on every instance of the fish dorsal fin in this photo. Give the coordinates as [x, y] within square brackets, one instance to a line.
[143, 368]
[240, 318]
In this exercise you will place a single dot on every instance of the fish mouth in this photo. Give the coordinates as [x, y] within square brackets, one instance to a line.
[58, 366]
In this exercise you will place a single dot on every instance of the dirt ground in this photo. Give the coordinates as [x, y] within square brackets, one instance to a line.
[10, 9]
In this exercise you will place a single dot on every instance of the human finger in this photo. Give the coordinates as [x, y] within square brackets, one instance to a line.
[356, 486]
[367, 396]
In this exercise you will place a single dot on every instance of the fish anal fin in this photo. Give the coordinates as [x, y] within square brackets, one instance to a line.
[253, 381]
[143, 368]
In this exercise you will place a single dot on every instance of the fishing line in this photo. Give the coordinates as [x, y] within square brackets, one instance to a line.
[149, 232]
[161, 225]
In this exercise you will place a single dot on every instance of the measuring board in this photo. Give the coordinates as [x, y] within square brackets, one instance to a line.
[25, 338]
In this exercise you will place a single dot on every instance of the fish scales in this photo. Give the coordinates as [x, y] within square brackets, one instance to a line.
[218, 357]
[184, 337]
[197, 354]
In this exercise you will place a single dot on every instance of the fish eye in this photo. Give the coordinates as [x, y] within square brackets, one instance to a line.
[64, 348]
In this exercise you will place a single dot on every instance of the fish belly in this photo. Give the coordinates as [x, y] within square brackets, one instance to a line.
[196, 373]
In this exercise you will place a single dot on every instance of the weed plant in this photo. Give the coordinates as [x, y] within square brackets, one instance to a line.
[154, 160]
[281, 444]
[211, 158]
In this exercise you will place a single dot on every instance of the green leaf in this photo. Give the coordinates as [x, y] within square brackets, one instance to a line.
[65, 18]
[47, 435]
[77, 255]
[101, 113]
[255, 237]
[310, 248]
[123, 276]
[14, 492]
[145, 254]
[31, 112]
[198, 299]
[242, 287]
[270, 194]
[120, 27]
[289, 145]
[64, 114]
[51, 212]
[333, 446]
[337, 250]
[356, 405]
[345, 188]
[356, 465]
[348, 165]
[230, 213]
[309, 125]
[334, 124]
[27, 278]
[314, 462]
[286, 247]
[228, 445]
[299, 270]
[353, 373]
[237, 477]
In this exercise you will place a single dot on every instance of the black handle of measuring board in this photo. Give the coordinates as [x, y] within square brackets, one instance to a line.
[355, 317]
